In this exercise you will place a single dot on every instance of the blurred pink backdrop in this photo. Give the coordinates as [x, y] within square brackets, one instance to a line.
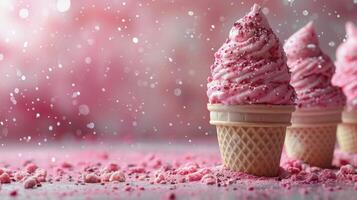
[127, 69]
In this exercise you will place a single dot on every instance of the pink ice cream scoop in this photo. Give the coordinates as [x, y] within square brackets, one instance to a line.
[250, 67]
[312, 71]
[346, 71]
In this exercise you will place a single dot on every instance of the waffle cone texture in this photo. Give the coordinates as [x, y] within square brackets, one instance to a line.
[347, 132]
[312, 136]
[312, 144]
[251, 138]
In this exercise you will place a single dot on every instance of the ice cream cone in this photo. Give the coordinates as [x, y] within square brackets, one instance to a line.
[312, 136]
[251, 137]
[347, 132]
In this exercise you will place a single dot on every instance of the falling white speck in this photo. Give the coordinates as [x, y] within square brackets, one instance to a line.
[90, 125]
[265, 10]
[135, 40]
[50, 128]
[60, 65]
[63, 5]
[16, 90]
[190, 13]
[305, 12]
[88, 60]
[83, 109]
[170, 59]
[24, 13]
[177, 92]
[23, 77]
[311, 46]
[37, 115]
[331, 43]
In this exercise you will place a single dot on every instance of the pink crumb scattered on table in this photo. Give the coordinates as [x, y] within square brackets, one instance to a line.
[138, 172]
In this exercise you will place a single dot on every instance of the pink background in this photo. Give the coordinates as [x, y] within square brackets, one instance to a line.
[127, 69]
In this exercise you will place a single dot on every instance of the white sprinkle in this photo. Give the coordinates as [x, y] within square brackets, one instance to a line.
[37, 115]
[305, 12]
[265, 10]
[91, 125]
[24, 13]
[311, 46]
[83, 109]
[170, 59]
[50, 128]
[88, 60]
[331, 43]
[190, 13]
[177, 92]
[135, 40]
[63, 5]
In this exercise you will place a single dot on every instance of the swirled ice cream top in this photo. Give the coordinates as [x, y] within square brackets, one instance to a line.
[250, 67]
[346, 67]
[312, 71]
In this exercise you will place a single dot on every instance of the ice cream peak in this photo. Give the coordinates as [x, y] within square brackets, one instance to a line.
[312, 71]
[346, 71]
[250, 67]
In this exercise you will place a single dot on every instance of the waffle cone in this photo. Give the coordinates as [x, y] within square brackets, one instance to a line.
[347, 132]
[312, 136]
[251, 138]
[313, 145]
[347, 137]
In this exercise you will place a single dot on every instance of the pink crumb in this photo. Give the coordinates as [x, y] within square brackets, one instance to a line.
[171, 196]
[66, 165]
[31, 168]
[20, 175]
[197, 176]
[13, 193]
[111, 167]
[30, 183]
[117, 176]
[346, 169]
[5, 178]
[106, 176]
[160, 177]
[41, 175]
[91, 178]
[208, 179]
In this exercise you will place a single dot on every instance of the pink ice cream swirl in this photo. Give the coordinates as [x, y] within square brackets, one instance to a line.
[250, 67]
[311, 71]
[346, 63]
